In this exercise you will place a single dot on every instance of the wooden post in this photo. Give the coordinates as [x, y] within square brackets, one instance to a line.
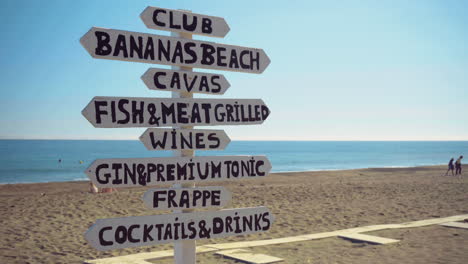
[184, 251]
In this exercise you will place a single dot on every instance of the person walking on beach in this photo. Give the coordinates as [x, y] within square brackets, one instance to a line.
[458, 168]
[450, 167]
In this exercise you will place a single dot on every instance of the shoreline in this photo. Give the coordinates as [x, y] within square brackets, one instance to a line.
[276, 172]
[45, 222]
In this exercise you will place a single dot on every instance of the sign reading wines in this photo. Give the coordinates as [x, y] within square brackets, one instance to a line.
[181, 112]
[183, 139]
[159, 112]
[153, 171]
[187, 198]
[184, 22]
[136, 231]
[184, 81]
[112, 44]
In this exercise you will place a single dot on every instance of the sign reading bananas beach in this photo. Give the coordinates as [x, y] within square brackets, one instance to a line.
[112, 44]
[181, 112]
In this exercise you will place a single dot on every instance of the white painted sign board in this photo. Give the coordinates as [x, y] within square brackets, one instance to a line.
[184, 22]
[185, 81]
[112, 44]
[137, 231]
[113, 112]
[187, 198]
[158, 171]
[184, 139]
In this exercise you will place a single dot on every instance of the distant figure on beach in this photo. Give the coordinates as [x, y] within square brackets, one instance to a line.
[458, 164]
[60, 160]
[450, 167]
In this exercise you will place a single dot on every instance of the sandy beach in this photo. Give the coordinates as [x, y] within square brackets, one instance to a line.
[44, 223]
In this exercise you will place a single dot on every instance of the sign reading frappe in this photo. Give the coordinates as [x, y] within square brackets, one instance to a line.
[187, 198]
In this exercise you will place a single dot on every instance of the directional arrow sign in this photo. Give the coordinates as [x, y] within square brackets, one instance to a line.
[136, 231]
[184, 139]
[158, 171]
[184, 81]
[186, 198]
[114, 44]
[159, 112]
[184, 22]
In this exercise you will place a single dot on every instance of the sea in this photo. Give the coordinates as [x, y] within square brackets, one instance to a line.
[33, 161]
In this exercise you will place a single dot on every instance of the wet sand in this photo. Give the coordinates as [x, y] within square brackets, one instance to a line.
[44, 223]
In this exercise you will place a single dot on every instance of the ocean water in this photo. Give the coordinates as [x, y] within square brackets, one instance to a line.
[24, 161]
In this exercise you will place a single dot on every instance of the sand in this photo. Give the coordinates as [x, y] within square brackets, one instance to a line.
[44, 223]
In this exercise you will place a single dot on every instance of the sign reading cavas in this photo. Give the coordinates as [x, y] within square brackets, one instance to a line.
[185, 81]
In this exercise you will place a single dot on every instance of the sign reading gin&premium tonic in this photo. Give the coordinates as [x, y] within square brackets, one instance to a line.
[109, 112]
[153, 171]
[112, 44]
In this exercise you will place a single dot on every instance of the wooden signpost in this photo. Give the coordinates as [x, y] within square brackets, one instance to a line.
[184, 81]
[184, 139]
[181, 112]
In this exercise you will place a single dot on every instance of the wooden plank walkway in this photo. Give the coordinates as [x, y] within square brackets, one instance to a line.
[455, 225]
[368, 238]
[248, 257]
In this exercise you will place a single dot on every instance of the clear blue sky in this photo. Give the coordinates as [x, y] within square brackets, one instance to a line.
[340, 70]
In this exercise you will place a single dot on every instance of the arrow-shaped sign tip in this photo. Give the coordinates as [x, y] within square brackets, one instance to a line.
[266, 61]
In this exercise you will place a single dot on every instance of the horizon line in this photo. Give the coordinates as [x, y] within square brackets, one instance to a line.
[240, 139]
